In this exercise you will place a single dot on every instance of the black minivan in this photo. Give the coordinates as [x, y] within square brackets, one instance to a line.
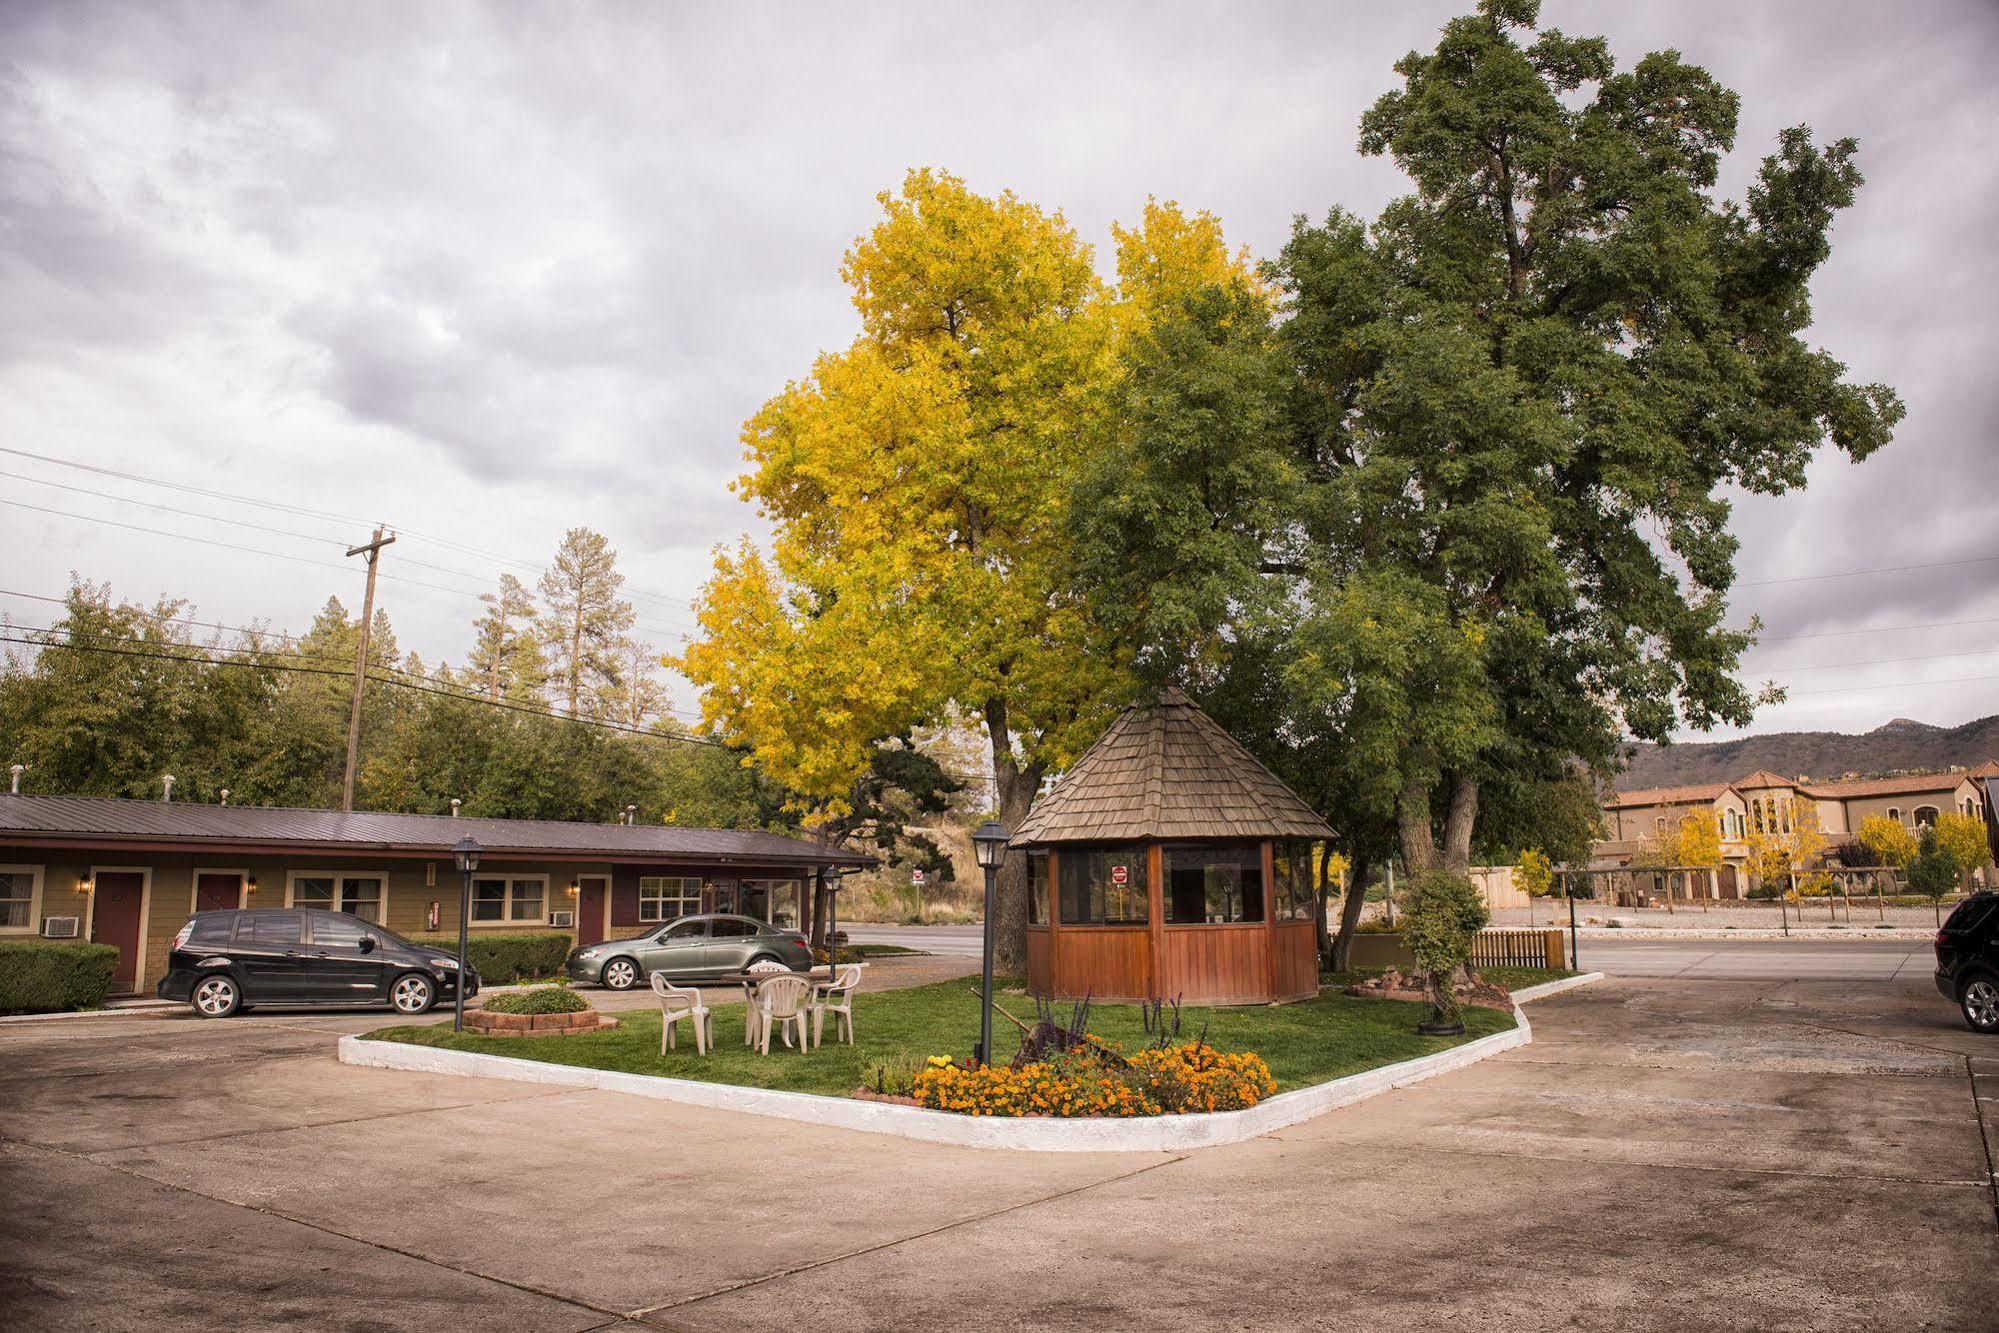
[225, 962]
[1968, 960]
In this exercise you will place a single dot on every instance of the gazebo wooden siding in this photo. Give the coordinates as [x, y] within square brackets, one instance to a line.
[1168, 774]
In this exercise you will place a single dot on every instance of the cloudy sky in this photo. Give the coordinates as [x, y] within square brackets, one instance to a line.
[485, 272]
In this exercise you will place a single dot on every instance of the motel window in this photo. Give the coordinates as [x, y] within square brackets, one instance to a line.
[360, 895]
[19, 893]
[664, 897]
[498, 899]
[1926, 816]
[1297, 887]
[1211, 885]
[1037, 888]
[772, 900]
[1104, 886]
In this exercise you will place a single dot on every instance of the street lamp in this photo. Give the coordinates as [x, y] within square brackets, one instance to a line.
[467, 855]
[989, 845]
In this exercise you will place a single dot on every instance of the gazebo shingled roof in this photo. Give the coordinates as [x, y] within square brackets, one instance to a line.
[1167, 771]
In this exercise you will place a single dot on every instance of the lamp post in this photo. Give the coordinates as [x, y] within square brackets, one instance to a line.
[834, 874]
[989, 845]
[467, 855]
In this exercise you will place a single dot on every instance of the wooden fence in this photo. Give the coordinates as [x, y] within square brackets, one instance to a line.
[1495, 947]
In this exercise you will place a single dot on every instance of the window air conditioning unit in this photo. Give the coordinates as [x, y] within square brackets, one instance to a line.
[61, 927]
[562, 920]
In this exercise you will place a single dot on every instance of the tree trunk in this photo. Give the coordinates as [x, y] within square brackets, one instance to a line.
[1351, 907]
[1458, 822]
[1412, 827]
[1017, 788]
[1324, 936]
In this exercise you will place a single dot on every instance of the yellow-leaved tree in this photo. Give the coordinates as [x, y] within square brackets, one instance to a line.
[1888, 841]
[1963, 836]
[1784, 854]
[917, 484]
[1535, 876]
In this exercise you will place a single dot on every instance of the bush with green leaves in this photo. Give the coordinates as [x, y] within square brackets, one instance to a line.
[1441, 918]
[894, 1074]
[1935, 871]
[538, 1000]
[501, 960]
[47, 976]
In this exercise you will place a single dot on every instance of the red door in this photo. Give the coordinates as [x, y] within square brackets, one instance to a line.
[591, 891]
[218, 893]
[114, 920]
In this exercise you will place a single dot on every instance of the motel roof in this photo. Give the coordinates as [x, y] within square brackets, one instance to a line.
[95, 821]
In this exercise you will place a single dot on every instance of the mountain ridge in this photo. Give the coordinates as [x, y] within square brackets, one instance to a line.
[1900, 745]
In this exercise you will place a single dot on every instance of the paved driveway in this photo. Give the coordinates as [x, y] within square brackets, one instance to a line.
[1668, 1154]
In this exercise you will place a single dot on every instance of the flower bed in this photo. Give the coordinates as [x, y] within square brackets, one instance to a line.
[543, 1011]
[1099, 1080]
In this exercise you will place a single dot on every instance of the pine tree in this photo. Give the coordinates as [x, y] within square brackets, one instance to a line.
[506, 661]
[583, 621]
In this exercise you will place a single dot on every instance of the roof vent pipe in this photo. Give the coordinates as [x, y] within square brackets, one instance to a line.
[225, 796]
[455, 803]
[167, 780]
[17, 770]
[631, 815]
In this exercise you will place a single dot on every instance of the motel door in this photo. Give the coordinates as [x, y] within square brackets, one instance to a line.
[114, 920]
[593, 893]
[217, 893]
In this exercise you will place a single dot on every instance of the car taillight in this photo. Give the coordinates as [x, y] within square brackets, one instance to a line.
[181, 938]
[1940, 940]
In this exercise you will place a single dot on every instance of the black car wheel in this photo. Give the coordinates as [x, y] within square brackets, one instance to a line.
[1980, 1003]
[216, 996]
[621, 974]
[412, 993]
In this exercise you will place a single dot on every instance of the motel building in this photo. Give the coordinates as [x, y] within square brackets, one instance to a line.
[129, 873]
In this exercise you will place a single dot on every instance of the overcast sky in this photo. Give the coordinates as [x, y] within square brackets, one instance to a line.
[486, 272]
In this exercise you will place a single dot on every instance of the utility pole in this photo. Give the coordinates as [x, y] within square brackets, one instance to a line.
[373, 551]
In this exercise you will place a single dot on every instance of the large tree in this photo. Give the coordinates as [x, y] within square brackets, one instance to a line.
[506, 661]
[916, 482]
[1517, 403]
[584, 622]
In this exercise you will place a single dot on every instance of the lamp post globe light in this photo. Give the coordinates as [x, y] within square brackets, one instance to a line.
[989, 845]
[466, 853]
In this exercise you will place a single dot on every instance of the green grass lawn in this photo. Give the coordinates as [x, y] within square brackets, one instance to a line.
[1303, 1043]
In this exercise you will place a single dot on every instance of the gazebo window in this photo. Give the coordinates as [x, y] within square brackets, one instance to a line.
[1104, 886]
[1297, 890]
[1037, 888]
[1213, 885]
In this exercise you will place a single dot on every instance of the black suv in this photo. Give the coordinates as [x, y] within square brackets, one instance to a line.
[1968, 960]
[225, 962]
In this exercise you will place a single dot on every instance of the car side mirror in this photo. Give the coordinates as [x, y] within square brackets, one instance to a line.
[367, 944]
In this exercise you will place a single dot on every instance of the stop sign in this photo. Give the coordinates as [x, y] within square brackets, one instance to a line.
[1119, 874]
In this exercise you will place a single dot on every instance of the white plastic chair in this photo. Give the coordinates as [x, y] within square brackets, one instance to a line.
[750, 1008]
[676, 1003]
[780, 1003]
[837, 999]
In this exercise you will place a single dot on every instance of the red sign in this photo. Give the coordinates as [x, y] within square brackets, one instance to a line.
[916, 875]
[1119, 874]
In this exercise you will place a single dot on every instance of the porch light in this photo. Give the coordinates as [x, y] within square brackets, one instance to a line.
[467, 853]
[989, 845]
[250, 883]
[573, 889]
[84, 884]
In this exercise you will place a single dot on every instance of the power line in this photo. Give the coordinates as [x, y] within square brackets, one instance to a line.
[1885, 661]
[1898, 685]
[1879, 569]
[1882, 629]
[293, 533]
[348, 672]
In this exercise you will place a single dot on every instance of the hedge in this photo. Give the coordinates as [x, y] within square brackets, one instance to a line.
[501, 960]
[47, 976]
[538, 1000]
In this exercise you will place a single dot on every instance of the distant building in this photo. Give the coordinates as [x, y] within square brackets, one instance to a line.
[1634, 820]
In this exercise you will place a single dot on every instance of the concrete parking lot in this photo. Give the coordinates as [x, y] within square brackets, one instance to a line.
[1668, 1154]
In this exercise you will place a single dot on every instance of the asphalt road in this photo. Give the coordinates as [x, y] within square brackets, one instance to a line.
[1774, 960]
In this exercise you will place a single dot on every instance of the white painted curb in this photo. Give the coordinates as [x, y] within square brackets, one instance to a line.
[1528, 994]
[1165, 1133]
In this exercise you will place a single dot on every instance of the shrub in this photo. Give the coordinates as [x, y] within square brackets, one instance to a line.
[1441, 921]
[538, 1000]
[1096, 1080]
[45, 976]
[503, 959]
[892, 1075]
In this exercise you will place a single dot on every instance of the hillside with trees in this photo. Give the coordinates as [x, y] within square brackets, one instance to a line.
[1894, 747]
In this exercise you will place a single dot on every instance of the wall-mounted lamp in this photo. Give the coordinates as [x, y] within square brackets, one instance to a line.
[250, 883]
[573, 889]
[84, 884]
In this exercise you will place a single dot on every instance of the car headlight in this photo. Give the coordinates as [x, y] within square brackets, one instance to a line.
[447, 964]
[591, 952]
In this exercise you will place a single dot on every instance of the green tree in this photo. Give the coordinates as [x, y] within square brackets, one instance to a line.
[584, 622]
[1443, 913]
[1934, 871]
[506, 662]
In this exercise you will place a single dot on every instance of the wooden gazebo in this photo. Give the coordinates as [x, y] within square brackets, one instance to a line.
[1170, 862]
